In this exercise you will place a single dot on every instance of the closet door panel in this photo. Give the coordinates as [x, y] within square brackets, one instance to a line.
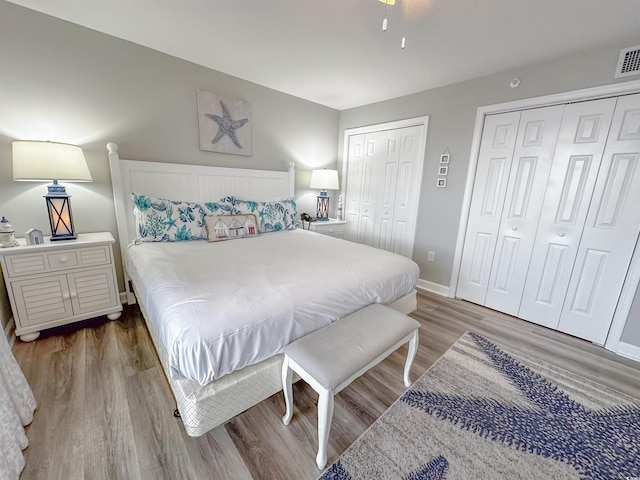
[583, 134]
[374, 146]
[354, 187]
[409, 176]
[387, 166]
[535, 145]
[494, 165]
[611, 231]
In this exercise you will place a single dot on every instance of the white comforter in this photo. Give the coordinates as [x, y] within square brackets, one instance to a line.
[221, 306]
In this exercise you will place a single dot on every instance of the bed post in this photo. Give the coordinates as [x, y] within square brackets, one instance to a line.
[121, 220]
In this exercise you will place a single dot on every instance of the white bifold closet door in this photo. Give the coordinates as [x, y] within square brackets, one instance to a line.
[531, 164]
[515, 160]
[554, 245]
[582, 139]
[384, 172]
[610, 233]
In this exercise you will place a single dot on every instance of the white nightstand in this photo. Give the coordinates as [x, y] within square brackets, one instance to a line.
[60, 282]
[332, 227]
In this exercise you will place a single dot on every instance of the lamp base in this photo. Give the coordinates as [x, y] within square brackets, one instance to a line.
[55, 238]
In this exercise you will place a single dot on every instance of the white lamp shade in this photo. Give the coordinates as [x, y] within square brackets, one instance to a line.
[45, 161]
[324, 179]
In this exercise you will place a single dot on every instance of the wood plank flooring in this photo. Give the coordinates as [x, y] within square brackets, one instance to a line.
[105, 408]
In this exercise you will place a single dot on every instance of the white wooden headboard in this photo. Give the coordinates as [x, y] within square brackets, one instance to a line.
[189, 183]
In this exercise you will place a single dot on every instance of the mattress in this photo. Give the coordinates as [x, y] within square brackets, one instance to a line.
[219, 307]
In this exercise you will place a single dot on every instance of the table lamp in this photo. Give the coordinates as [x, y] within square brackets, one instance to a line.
[48, 161]
[324, 180]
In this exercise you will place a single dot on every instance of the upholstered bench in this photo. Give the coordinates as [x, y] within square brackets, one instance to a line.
[329, 359]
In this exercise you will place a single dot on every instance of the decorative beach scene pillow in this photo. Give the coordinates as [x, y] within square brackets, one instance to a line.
[229, 227]
[272, 216]
[162, 220]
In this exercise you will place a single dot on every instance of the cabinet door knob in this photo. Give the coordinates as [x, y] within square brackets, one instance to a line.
[514, 228]
[561, 234]
[65, 296]
[63, 259]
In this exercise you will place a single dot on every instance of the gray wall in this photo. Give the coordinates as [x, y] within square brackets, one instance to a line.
[452, 114]
[631, 332]
[63, 82]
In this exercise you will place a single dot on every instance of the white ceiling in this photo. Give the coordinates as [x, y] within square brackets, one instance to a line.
[335, 53]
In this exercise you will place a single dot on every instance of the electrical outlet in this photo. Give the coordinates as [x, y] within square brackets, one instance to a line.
[431, 256]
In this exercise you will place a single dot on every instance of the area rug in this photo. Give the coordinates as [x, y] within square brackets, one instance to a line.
[484, 411]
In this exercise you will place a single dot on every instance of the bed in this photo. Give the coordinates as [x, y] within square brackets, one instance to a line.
[219, 314]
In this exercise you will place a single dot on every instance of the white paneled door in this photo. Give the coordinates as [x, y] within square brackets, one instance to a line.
[553, 226]
[385, 161]
[492, 174]
[610, 232]
[583, 135]
[407, 192]
[531, 165]
[384, 173]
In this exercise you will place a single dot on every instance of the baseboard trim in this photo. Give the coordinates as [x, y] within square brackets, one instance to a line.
[443, 290]
[629, 351]
[10, 332]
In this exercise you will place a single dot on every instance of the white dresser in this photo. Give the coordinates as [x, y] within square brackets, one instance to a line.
[331, 227]
[60, 282]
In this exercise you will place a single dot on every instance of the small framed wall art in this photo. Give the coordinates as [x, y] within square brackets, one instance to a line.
[443, 170]
[444, 158]
[442, 182]
[224, 124]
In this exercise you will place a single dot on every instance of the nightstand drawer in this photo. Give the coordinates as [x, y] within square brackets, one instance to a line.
[331, 230]
[332, 227]
[18, 265]
[33, 263]
[94, 256]
[62, 260]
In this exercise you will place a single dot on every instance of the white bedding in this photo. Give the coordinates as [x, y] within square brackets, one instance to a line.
[222, 306]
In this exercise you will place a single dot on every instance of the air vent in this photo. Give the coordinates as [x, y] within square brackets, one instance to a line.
[629, 62]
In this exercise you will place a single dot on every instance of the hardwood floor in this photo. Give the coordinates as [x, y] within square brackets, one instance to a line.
[105, 408]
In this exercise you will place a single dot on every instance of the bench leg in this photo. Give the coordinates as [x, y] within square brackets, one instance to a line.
[287, 374]
[413, 348]
[325, 414]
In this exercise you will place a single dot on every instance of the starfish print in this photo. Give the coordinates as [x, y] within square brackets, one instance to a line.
[601, 444]
[226, 125]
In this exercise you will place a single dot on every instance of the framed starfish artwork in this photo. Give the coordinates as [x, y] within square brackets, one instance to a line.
[224, 124]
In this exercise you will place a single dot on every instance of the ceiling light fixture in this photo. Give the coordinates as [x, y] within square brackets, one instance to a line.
[386, 4]
[385, 21]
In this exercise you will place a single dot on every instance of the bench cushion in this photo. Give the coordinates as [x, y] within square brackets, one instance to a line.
[334, 353]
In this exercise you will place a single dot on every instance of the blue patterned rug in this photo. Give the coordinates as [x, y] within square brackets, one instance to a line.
[483, 411]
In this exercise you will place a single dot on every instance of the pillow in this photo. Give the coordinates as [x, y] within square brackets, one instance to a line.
[162, 220]
[272, 216]
[230, 227]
